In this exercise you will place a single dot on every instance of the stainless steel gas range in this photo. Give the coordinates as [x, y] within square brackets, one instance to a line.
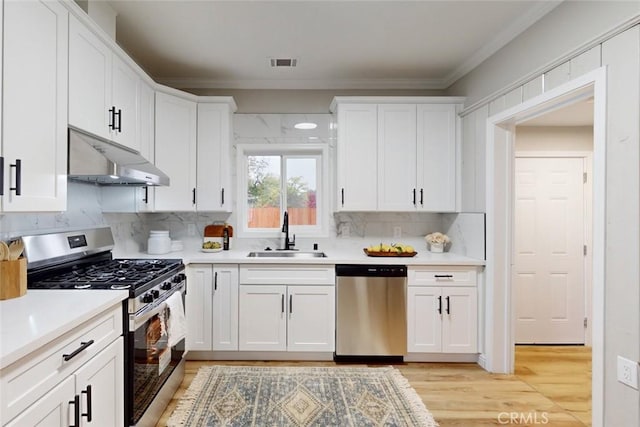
[83, 260]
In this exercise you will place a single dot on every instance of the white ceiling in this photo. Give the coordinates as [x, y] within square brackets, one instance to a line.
[338, 44]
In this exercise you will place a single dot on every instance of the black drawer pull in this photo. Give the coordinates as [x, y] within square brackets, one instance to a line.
[83, 346]
[112, 118]
[421, 197]
[290, 304]
[282, 304]
[193, 199]
[76, 411]
[89, 412]
[342, 192]
[439, 305]
[215, 281]
[18, 187]
[414, 197]
[222, 197]
[119, 127]
[448, 305]
[443, 276]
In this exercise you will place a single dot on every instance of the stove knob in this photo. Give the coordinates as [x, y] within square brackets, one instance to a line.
[155, 293]
[178, 278]
[147, 298]
[165, 286]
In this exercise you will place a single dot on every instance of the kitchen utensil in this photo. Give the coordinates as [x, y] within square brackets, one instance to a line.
[4, 251]
[15, 250]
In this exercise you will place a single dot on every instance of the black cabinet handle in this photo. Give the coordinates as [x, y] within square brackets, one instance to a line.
[342, 192]
[443, 276]
[1, 176]
[119, 114]
[89, 412]
[421, 197]
[439, 305]
[222, 197]
[76, 411]
[83, 346]
[193, 200]
[282, 304]
[215, 281]
[112, 118]
[448, 306]
[146, 195]
[414, 197]
[290, 304]
[18, 187]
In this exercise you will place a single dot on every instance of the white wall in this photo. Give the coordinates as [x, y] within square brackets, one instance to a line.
[554, 138]
[566, 43]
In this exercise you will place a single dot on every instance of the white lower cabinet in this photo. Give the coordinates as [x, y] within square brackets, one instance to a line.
[287, 318]
[442, 319]
[75, 380]
[212, 307]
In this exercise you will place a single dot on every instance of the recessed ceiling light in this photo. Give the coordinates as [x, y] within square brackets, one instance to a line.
[305, 125]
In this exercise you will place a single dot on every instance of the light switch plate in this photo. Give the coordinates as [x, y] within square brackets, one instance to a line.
[397, 232]
[628, 372]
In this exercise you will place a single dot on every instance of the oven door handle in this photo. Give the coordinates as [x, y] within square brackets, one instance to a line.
[136, 320]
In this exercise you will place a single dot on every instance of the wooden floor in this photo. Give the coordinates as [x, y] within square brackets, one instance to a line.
[551, 386]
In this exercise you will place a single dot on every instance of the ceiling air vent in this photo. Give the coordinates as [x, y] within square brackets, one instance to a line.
[283, 62]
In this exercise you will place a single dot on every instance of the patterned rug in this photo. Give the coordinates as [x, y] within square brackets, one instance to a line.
[300, 397]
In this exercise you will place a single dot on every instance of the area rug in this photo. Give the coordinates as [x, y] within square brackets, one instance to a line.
[300, 397]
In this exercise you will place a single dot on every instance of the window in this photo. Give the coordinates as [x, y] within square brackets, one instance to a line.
[275, 179]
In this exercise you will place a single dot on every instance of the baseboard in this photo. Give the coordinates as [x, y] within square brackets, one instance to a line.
[482, 362]
[442, 357]
[259, 355]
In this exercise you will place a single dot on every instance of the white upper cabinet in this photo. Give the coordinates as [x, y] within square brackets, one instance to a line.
[33, 156]
[437, 141]
[102, 88]
[213, 191]
[357, 157]
[397, 153]
[397, 157]
[176, 152]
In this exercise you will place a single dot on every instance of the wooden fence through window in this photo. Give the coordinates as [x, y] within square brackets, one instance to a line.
[270, 217]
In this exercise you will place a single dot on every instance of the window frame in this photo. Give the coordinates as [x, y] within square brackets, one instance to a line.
[318, 151]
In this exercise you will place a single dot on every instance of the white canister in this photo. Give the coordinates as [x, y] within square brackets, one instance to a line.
[159, 242]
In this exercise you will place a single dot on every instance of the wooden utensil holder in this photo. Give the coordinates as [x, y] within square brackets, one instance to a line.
[13, 278]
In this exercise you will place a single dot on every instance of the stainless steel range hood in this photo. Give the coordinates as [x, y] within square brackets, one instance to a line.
[97, 160]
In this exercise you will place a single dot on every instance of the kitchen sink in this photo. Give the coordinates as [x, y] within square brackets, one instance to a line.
[286, 254]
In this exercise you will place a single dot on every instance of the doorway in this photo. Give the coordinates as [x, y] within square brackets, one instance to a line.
[499, 301]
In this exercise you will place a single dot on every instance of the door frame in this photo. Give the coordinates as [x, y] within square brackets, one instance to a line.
[587, 158]
[499, 320]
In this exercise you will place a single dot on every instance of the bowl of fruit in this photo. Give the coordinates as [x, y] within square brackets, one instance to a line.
[211, 246]
[392, 250]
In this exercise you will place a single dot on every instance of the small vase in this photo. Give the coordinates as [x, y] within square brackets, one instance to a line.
[436, 247]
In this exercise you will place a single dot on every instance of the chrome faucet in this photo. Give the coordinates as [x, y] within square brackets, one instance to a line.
[288, 244]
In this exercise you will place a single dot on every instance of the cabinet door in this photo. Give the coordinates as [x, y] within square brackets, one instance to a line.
[146, 139]
[311, 323]
[54, 409]
[460, 320]
[397, 157]
[89, 80]
[357, 157]
[424, 321]
[199, 307]
[214, 136]
[124, 101]
[34, 98]
[176, 152]
[263, 323]
[225, 308]
[437, 157]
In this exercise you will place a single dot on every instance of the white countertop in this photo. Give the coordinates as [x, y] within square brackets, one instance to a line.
[31, 321]
[334, 256]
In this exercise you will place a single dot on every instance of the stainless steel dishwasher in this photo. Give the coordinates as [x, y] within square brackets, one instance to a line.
[371, 315]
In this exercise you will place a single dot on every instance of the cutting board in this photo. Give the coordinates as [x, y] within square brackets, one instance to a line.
[217, 230]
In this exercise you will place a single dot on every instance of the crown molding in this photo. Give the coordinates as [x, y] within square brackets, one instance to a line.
[505, 36]
[193, 83]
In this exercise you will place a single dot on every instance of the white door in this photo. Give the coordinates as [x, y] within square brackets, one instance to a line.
[311, 311]
[263, 322]
[225, 308]
[124, 100]
[548, 271]
[397, 157]
[54, 409]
